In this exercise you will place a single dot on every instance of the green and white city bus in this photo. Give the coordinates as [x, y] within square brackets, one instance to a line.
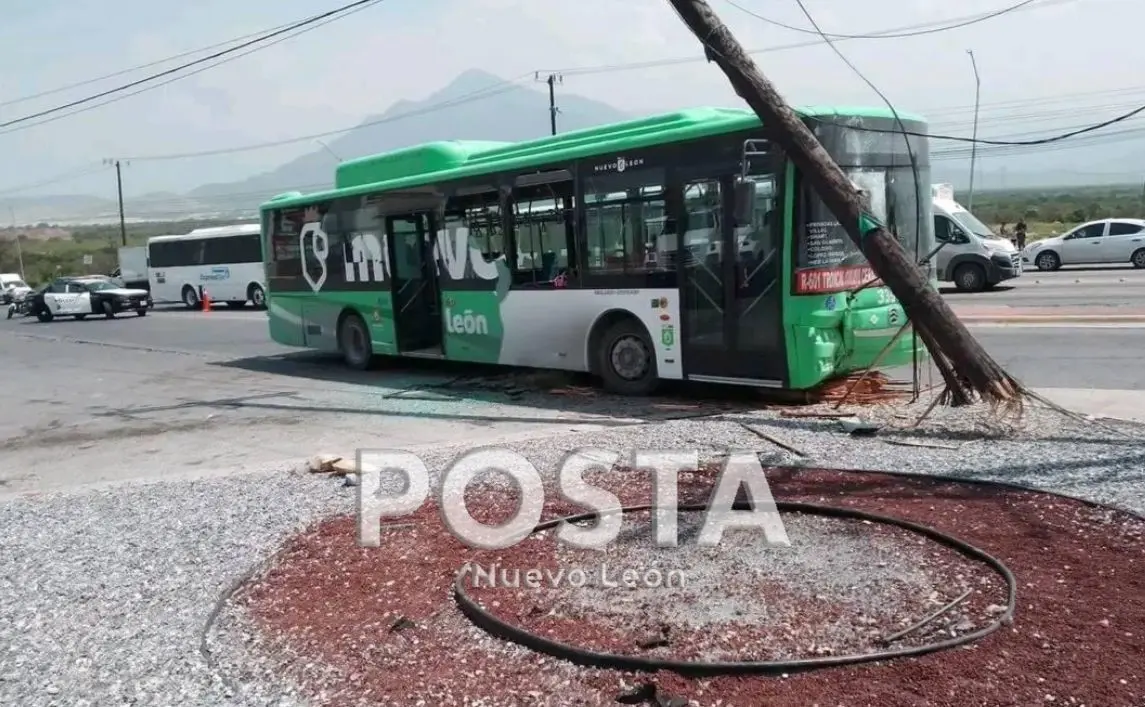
[679, 246]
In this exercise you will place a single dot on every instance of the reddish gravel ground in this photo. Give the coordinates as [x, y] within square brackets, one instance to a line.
[384, 624]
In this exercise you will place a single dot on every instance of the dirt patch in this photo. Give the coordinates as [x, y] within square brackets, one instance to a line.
[840, 588]
[384, 625]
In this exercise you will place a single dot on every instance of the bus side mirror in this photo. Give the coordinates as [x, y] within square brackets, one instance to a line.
[745, 203]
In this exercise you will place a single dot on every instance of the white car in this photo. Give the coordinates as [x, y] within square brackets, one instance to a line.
[1111, 240]
[80, 296]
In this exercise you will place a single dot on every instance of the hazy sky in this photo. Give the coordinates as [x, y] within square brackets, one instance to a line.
[1077, 60]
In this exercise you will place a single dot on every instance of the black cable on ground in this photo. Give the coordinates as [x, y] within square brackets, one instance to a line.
[582, 656]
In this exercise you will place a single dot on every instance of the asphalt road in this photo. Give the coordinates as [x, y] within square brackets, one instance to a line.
[1067, 356]
[1072, 287]
[180, 393]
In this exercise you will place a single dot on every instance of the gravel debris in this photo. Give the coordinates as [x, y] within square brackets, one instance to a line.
[104, 594]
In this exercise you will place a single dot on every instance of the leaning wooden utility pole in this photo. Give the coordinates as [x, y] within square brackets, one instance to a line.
[964, 364]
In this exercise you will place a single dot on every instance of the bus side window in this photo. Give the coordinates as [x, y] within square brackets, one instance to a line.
[627, 230]
[480, 214]
[285, 257]
[543, 219]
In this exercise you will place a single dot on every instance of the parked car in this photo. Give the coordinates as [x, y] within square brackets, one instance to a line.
[1111, 240]
[80, 296]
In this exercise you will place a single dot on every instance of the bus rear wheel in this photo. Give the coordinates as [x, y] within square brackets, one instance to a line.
[627, 362]
[190, 297]
[257, 296]
[354, 342]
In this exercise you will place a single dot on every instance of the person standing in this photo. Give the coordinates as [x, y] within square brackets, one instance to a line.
[1020, 234]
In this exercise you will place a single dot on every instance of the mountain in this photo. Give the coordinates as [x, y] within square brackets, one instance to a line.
[475, 106]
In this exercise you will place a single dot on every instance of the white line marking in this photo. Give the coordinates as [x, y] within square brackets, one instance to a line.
[1056, 325]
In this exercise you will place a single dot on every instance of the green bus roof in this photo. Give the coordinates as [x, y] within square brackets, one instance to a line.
[447, 160]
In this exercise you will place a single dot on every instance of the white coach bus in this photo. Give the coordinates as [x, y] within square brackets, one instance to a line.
[225, 261]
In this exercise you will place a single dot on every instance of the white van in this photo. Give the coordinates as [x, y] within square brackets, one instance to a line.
[12, 287]
[974, 258]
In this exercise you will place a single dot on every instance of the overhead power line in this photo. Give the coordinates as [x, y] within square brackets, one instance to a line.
[340, 11]
[58, 179]
[899, 35]
[694, 59]
[478, 95]
[187, 75]
[140, 67]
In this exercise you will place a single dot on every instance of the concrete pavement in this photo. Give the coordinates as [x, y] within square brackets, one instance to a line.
[1118, 404]
[1107, 314]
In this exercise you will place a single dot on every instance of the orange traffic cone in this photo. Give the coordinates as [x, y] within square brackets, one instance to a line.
[206, 301]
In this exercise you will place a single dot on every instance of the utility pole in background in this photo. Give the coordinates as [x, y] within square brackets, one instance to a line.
[119, 191]
[974, 136]
[327, 148]
[19, 248]
[552, 81]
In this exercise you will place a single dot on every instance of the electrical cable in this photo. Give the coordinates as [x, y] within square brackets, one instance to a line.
[504, 630]
[1013, 143]
[898, 121]
[899, 35]
[181, 67]
[140, 67]
[477, 95]
[64, 177]
[891, 206]
[497, 89]
[189, 74]
[675, 61]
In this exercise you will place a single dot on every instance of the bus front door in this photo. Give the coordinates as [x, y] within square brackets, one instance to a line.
[416, 301]
[730, 298]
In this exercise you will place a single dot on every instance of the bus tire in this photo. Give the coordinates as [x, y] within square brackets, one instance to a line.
[257, 296]
[354, 342]
[626, 359]
[190, 297]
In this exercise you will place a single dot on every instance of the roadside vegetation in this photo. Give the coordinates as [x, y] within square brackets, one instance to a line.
[1047, 212]
[45, 258]
[1050, 211]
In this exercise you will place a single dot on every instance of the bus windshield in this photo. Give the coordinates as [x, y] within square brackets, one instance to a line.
[897, 193]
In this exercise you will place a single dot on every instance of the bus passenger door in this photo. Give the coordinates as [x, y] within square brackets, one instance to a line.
[730, 295]
[417, 312]
[756, 342]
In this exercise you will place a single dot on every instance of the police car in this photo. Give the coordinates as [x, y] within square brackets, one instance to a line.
[80, 296]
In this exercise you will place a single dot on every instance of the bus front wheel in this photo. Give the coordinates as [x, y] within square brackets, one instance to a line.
[627, 362]
[354, 342]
